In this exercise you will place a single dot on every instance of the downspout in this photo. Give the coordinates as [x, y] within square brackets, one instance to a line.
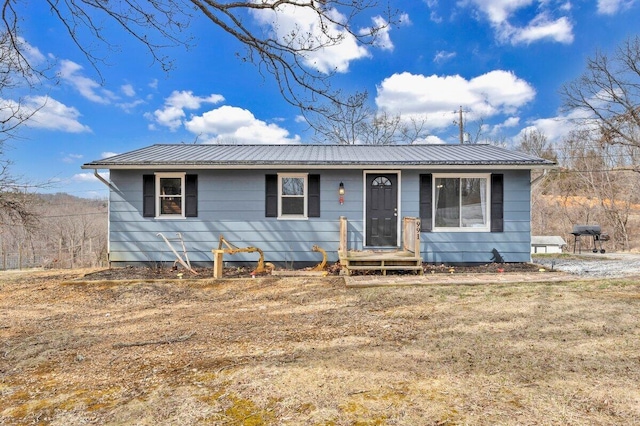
[539, 178]
[103, 180]
[106, 182]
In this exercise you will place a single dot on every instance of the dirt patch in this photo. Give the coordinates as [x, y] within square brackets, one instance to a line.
[270, 351]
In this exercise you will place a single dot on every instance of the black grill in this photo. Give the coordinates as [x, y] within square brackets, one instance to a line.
[593, 231]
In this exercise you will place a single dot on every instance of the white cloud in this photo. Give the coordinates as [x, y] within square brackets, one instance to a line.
[500, 10]
[560, 30]
[128, 90]
[229, 124]
[107, 154]
[70, 72]
[31, 53]
[511, 122]
[544, 26]
[301, 28]
[433, 15]
[431, 140]
[497, 129]
[555, 128]
[128, 106]
[173, 114]
[404, 19]
[88, 177]
[611, 7]
[443, 56]
[72, 158]
[437, 97]
[46, 113]
[382, 40]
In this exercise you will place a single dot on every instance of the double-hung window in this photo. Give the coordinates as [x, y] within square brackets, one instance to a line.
[292, 195]
[461, 202]
[170, 197]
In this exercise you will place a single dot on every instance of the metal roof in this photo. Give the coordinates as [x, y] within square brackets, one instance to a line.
[547, 240]
[317, 156]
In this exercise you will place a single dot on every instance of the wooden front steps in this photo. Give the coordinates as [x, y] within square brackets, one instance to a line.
[407, 259]
[380, 261]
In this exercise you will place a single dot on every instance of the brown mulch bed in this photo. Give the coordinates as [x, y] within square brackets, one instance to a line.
[166, 273]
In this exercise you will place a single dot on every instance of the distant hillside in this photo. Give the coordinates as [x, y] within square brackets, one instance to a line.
[69, 231]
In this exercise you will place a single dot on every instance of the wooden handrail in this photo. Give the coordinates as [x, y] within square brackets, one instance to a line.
[411, 235]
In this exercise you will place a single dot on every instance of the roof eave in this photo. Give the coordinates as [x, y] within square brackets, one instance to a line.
[264, 166]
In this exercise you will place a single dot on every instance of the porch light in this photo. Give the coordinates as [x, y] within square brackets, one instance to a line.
[341, 193]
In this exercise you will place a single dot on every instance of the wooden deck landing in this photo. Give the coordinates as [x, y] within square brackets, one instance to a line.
[407, 259]
[380, 261]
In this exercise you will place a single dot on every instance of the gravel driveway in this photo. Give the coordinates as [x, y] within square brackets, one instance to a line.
[609, 265]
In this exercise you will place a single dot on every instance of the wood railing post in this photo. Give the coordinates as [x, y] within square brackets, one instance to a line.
[411, 235]
[343, 247]
[417, 230]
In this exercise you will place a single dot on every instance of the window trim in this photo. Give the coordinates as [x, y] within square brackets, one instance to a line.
[487, 177]
[158, 196]
[305, 196]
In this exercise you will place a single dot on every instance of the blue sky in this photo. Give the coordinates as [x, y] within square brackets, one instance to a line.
[503, 61]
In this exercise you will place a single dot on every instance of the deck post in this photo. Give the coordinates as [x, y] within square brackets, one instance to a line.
[343, 248]
[217, 263]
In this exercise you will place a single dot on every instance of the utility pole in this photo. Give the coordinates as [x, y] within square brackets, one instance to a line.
[461, 126]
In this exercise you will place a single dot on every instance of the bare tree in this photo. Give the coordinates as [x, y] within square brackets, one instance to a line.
[352, 121]
[535, 142]
[598, 186]
[15, 202]
[14, 72]
[285, 53]
[608, 94]
[70, 232]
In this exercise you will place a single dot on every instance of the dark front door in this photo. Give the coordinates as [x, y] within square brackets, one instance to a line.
[382, 209]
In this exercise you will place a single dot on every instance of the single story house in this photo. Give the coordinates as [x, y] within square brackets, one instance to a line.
[547, 244]
[473, 200]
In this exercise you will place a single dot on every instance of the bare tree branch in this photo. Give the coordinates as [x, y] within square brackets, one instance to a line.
[608, 94]
[157, 24]
[351, 121]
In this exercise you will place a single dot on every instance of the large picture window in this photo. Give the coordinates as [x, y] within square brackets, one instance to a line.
[292, 199]
[170, 194]
[461, 202]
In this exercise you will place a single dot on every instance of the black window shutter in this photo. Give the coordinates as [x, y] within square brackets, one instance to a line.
[191, 196]
[271, 196]
[148, 195]
[497, 203]
[313, 203]
[426, 206]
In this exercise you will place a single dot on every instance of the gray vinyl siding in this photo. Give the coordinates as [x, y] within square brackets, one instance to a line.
[232, 203]
[514, 244]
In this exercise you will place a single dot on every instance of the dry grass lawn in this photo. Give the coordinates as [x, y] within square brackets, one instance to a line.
[308, 351]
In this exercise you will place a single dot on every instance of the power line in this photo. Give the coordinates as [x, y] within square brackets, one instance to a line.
[75, 214]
